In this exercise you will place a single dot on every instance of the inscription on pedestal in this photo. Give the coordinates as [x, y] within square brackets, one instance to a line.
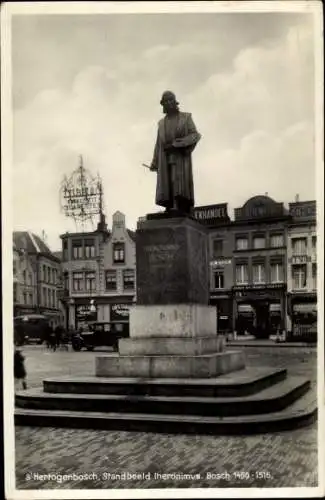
[172, 264]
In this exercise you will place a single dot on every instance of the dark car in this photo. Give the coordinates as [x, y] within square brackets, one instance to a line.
[97, 334]
[30, 328]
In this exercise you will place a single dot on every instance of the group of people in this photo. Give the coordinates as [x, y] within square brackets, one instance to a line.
[54, 338]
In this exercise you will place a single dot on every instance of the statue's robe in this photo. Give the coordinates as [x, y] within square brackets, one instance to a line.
[180, 131]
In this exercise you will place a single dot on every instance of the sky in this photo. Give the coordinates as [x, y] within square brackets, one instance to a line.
[90, 85]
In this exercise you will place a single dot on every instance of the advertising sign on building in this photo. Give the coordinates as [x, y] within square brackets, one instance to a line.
[120, 312]
[303, 209]
[212, 214]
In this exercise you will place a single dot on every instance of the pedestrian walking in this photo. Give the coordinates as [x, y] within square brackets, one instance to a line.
[19, 368]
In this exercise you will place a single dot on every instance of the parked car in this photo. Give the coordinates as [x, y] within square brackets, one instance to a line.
[97, 334]
[30, 328]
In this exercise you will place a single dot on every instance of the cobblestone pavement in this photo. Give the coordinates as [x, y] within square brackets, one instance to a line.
[286, 459]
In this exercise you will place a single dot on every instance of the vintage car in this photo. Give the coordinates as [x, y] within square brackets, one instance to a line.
[96, 334]
[30, 328]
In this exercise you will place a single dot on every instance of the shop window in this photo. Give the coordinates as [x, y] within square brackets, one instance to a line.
[241, 243]
[241, 274]
[90, 279]
[258, 242]
[77, 249]
[258, 273]
[118, 253]
[217, 248]
[89, 249]
[277, 274]
[110, 280]
[299, 276]
[77, 281]
[277, 240]
[299, 246]
[128, 279]
[218, 279]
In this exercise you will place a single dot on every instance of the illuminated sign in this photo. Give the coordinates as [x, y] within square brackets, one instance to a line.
[81, 195]
[212, 214]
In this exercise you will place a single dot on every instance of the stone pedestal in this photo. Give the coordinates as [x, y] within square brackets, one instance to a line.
[173, 330]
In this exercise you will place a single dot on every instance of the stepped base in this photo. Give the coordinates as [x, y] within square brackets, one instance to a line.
[184, 346]
[237, 384]
[301, 413]
[205, 365]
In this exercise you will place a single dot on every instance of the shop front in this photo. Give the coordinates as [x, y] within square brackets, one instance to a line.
[84, 313]
[259, 311]
[120, 318]
[223, 305]
[304, 317]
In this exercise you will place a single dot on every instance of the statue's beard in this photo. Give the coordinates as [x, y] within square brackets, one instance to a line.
[170, 109]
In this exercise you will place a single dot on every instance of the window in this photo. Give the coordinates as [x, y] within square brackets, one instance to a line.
[299, 246]
[218, 279]
[65, 255]
[66, 280]
[259, 242]
[24, 298]
[90, 278]
[24, 275]
[15, 293]
[44, 296]
[314, 244]
[314, 274]
[277, 273]
[258, 273]
[118, 252]
[217, 248]
[242, 273]
[299, 276]
[241, 243]
[128, 279]
[44, 274]
[53, 299]
[89, 249]
[77, 249]
[15, 268]
[31, 299]
[49, 295]
[277, 240]
[77, 281]
[110, 279]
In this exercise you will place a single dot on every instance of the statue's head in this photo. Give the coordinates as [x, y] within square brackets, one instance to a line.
[169, 102]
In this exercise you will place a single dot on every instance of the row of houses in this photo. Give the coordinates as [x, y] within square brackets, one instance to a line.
[262, 268]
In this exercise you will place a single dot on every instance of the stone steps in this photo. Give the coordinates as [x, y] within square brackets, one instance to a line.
[240, 383]
[300, 413]
[274, 398]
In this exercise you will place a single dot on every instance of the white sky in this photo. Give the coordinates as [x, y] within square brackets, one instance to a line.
[91, 85]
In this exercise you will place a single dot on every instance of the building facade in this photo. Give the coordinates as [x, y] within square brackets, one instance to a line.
[220, 249]
[259, 267]
[36, 277]
[98, 270]
[302, 268]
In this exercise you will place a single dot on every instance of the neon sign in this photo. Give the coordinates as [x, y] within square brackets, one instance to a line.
[81, 195]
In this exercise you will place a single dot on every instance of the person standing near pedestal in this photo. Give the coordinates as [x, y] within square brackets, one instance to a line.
[176, 139]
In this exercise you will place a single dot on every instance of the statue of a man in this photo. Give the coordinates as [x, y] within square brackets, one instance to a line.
[176, 139]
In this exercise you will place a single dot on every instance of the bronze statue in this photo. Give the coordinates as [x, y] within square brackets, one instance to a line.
[176, 139]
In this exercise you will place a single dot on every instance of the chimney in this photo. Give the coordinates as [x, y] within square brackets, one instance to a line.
[297, 198]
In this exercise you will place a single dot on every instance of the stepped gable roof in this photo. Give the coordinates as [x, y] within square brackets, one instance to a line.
[33, 244]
